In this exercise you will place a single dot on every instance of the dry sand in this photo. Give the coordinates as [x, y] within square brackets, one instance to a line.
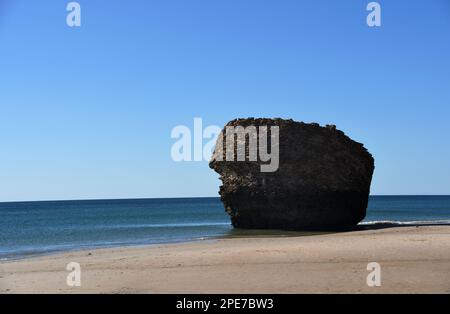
[412, 259]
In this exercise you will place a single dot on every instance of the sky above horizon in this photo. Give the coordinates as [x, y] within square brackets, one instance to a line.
[87, 112]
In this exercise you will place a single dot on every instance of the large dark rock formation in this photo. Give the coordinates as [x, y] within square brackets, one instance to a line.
[323, 180]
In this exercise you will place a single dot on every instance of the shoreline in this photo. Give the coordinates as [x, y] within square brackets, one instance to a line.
[413, 259]
[273, 234]
[238, 234]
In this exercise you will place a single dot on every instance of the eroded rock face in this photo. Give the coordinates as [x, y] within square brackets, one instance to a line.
[322, 182]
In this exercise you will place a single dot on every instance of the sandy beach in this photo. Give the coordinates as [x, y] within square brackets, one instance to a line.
[412, 260]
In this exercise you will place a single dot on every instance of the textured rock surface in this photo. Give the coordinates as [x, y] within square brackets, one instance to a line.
[323, 180]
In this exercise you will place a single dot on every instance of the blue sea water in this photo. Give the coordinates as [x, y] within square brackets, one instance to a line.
[31, 228]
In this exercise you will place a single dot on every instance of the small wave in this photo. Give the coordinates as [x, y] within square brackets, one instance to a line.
[163, 225]
[402, 223]
[140, 226]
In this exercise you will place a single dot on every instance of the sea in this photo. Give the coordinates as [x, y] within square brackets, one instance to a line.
[36, 228]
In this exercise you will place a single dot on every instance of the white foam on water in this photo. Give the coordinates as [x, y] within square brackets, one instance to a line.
[394, 222]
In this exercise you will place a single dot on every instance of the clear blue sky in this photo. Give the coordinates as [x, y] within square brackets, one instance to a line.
[88, 112]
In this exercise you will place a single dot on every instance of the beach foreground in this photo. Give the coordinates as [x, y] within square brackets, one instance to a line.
[412, 259]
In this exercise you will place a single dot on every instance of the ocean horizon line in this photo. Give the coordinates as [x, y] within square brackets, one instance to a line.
[184, 198]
